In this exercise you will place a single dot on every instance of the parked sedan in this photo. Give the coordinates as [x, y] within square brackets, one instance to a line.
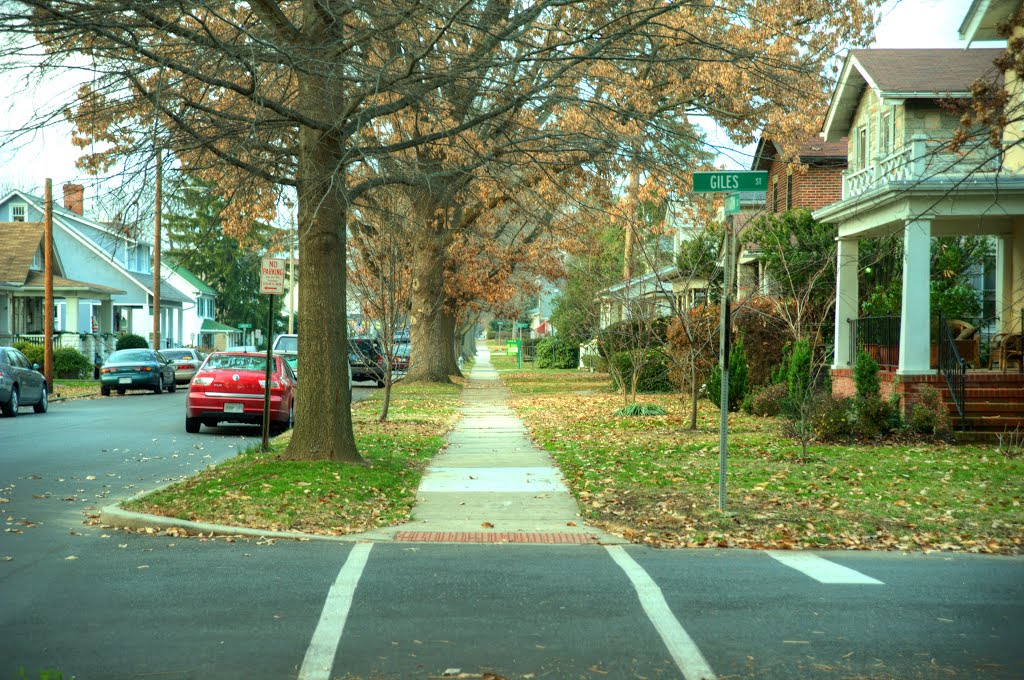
[400, 361]
[366, 359]
[229, 388]
[137, 369]
[21, 384]
[186, 362]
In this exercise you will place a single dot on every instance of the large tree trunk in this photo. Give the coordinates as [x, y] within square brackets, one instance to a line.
[431, 325]
[323, 416]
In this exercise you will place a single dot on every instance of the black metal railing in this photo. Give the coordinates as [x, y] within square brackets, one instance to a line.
[952, 367]
[879, 336]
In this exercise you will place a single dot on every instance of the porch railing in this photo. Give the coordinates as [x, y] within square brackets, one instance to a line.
[879, 336]
[953, 368]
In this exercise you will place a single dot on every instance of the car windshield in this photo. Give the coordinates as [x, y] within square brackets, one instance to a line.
[177, 354]
[236, 362]
[132, 355]
[293, 361]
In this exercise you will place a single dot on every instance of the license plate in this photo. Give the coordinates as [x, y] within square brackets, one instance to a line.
[124, 381]
[234, 408]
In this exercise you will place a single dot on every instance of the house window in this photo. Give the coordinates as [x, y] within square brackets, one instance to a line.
[142, 263]
[862, 147]
[789, 192]
[19, 211]
[37, 261]
[885, 138]
[775, 195]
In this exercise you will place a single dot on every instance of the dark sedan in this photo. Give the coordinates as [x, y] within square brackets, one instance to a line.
[21, 384]
[137, 369]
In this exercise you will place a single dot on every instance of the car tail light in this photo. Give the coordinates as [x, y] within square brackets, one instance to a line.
[274, 385]
[144, 368]
[184, 367]
[202, 380]
[106, 370]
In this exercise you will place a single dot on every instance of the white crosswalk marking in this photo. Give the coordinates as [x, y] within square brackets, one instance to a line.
[820, 569]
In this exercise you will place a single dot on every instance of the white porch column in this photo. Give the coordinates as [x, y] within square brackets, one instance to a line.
[915, 324]
[105, 321]
[1004, 282]
[71, 314]
[847, 299]
[179, 331]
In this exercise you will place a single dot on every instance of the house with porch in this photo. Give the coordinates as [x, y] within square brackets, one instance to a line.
[199, 326]
[109, 255]
[894, 108]
[22, 293]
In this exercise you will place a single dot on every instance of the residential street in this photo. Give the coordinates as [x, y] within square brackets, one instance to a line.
[107, 604]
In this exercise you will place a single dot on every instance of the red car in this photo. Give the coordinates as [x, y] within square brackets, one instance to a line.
[229, 386]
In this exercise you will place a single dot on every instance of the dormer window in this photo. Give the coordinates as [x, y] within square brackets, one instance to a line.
[19, 212]
[37, 260]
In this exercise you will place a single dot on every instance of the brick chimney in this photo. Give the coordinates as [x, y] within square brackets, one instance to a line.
[74, 198]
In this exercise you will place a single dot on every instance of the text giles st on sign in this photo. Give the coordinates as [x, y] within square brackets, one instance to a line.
[272, 270]
[730, 180]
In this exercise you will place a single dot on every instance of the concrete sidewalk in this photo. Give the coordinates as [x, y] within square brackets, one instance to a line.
[491, 483]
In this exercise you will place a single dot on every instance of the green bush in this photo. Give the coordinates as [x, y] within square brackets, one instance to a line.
[32, 351]
[653, 371]
[636, 409]
[131, 341]
[68, 362]
[928, 416]
[737, 378]
[873, 416]
[557, 353]
[769, 401]
[830, 418]
[628, 335]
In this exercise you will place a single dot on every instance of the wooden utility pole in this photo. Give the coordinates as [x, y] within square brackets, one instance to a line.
[48, 288]
[156, 249]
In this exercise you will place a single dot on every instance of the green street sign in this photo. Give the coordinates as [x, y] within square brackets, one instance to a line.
[730, 180]
[732, 204]
[244, 326]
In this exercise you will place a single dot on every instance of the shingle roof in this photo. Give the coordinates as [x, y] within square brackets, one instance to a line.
[211, 326]
[168, 293]
[926, 71]
[184, 273]
[815, 148]
[38, 280]
[19, 242]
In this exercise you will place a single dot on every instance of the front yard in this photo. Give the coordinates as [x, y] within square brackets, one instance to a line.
[262, 491]
[653, 481]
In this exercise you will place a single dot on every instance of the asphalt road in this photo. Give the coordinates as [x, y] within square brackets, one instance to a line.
[99, 603]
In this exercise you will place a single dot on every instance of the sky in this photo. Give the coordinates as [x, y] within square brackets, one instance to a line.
[905, 23]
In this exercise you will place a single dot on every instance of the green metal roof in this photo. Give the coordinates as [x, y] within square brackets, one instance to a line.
[211, 326]
[191, 278]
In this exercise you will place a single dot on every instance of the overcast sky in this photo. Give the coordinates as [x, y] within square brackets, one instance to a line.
[905, 23]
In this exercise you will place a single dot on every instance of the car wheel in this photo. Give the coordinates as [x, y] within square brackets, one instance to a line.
[10, 409]
[105, 391]
[172, 387]
[159, 385]
[192, 425]
[44, 402]
[120, 390]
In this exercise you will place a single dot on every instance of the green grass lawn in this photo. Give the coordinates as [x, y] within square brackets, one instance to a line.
[263, 491]
[654, 481]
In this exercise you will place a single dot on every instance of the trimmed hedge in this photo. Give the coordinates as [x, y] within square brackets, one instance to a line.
[69, 363]
[32, 351]
[653, 372]
[131, 341]
[557, 353]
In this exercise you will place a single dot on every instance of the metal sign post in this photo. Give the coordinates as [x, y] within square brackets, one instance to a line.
[271, 283]
[728, 183]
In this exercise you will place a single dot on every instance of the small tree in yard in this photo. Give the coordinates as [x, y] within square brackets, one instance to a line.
[800, 381]
[737, 378]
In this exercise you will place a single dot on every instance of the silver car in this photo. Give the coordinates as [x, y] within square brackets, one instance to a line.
[186, 362]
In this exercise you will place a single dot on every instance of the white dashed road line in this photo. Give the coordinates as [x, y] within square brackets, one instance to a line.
[319, 658]
[680, 645]
[820, 569]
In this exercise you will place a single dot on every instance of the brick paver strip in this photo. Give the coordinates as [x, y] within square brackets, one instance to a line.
[492, 537]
